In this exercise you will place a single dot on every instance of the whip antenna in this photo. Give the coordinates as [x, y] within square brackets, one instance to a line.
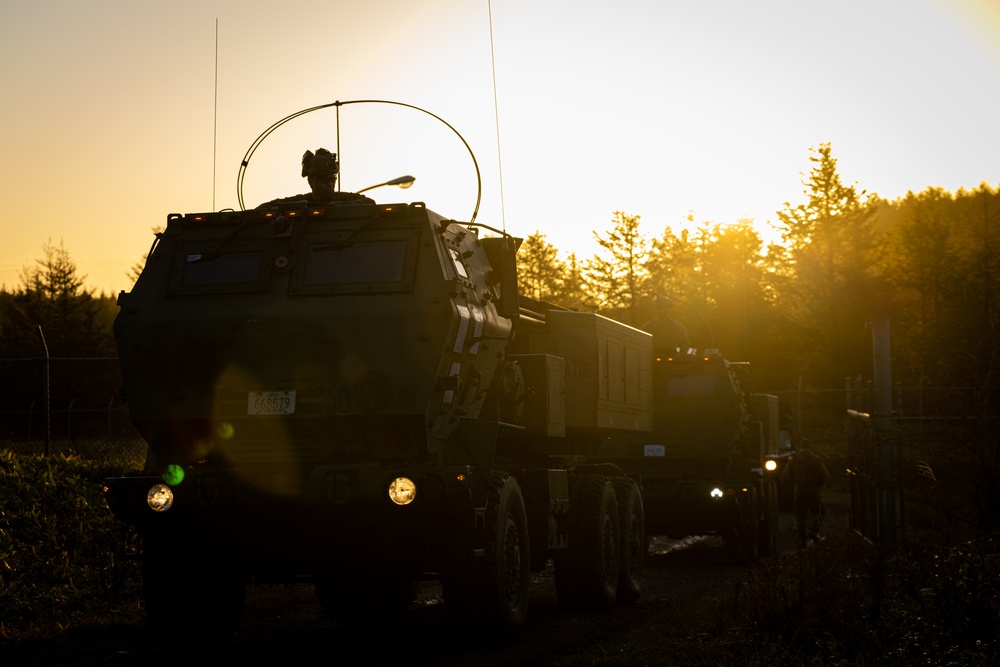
[496, 117]
[215, 113]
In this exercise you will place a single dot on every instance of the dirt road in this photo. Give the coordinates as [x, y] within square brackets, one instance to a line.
[287, 625]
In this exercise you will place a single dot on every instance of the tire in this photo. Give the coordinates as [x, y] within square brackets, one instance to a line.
[488, 597]
[632, 523]
[587, 571]
[191, 594]
[768, 542]
[741, 536]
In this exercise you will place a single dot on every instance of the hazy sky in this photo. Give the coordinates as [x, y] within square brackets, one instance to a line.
[657, 109]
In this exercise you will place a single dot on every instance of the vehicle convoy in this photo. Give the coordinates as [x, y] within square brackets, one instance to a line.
[708, 466]
[357, 396]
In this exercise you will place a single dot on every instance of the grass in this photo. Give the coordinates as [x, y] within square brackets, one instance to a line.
[59, 545]
[841, 602]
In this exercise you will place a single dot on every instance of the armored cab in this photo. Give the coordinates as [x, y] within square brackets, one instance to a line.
[357, 395]
[300, 335]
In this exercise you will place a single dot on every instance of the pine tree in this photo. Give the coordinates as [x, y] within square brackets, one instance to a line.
[671, 264]
[52, 295]
[617, 279]
[52, 301]
[832, 281]
[539, 269]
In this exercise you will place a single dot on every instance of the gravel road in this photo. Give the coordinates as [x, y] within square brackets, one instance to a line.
[287, 625]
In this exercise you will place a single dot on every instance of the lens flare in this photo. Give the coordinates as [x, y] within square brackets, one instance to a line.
[173, 475]
[226, 430]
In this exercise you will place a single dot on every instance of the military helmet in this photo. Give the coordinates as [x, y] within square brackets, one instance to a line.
[322, 164]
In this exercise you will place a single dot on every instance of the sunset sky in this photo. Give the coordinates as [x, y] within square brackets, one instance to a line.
[112, 117]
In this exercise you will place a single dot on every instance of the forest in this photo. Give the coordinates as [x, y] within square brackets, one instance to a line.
[800, 310]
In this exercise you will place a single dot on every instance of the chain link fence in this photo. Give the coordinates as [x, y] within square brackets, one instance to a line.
[67, 406]
[945, 440]
[943, 447]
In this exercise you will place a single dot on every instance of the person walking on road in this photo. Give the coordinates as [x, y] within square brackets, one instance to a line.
[808, 475]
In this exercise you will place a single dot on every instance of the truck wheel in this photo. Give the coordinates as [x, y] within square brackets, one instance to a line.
[489, 597]
[632, 522]
[189, 595]
[740, 538]
[587, 571]
[769, 522]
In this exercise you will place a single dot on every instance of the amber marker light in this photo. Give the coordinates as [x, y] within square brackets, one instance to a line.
[402, 491]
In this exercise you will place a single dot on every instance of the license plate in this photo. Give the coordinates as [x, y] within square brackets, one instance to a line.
[271, 402]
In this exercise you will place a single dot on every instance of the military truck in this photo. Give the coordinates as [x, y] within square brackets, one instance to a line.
[707, 466]
[357, 396]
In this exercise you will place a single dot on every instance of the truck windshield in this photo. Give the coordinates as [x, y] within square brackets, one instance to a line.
[691, 385]
[352, 263]
[227, 268]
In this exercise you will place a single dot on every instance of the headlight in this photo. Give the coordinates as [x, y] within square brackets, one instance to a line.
[402, 491]
[716, 492]
[770, 465]
[160, 498]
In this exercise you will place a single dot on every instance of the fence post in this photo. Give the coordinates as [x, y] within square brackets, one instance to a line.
[48, 404]
[883, 424]
[798, 407]
[111, 403]
[69, 421]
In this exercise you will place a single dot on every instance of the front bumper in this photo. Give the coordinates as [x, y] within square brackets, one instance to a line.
[337, 514]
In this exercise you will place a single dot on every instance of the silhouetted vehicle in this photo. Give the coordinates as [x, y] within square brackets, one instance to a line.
[703, 468]
[358, 396]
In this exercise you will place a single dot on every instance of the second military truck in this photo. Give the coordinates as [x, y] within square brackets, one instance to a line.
[707, 467]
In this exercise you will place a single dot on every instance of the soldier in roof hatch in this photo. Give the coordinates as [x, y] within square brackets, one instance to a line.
[321, 169]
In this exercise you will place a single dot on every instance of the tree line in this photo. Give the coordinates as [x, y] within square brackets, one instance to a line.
[801, 308]
[56, 344]
[797, 310]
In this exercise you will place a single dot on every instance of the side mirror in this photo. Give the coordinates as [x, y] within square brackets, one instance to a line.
[502, 253]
